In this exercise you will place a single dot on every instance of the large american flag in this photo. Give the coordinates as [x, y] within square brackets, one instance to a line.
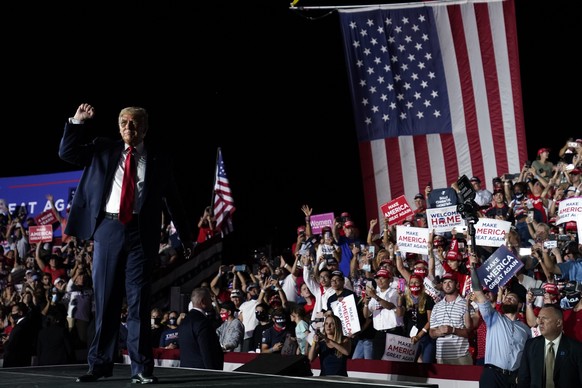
[223, 201]
[436, 94]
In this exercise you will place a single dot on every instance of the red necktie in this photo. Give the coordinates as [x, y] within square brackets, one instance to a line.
[127, 188]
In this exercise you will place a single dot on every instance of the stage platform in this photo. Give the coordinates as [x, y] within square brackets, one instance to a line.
[63, 376]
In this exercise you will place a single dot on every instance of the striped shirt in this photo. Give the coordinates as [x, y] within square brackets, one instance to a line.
[450, 314]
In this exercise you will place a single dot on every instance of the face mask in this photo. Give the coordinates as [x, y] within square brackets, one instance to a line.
[16, 316]
[414, 290]
[124, 318]
[224, 316]
[156, 321]
[262, 315]
[518, 195]
[280, 321]
[172, 321]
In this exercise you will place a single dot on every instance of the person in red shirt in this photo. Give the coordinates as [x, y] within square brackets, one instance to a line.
[454, 264]
[54, 267]
[206, 226]
[573, 321]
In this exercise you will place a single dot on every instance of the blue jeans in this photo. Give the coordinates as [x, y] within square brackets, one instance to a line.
[427, 349]
[363, 349]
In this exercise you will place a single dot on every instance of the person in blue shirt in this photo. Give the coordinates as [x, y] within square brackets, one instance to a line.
[505, 339]
[346, 241]
[169, 337]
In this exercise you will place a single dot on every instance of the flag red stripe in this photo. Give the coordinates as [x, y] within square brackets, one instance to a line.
[514, 70]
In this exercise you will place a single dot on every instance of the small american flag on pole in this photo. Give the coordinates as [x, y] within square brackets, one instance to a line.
[436, 92]
[223, 202]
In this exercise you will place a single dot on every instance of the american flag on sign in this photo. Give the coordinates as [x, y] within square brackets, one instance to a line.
[436, 94]
[223, 202]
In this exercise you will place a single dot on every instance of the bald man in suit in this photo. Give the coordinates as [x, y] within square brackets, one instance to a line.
[197, 338]
[568, 354]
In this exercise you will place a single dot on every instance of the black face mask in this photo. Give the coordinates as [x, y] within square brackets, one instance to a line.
[518, 195]
[262, 315]
[172, 321]
[124, 318]
[16, 316]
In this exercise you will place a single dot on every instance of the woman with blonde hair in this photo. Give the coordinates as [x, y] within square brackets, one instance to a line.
[418, 307]
[333, 348]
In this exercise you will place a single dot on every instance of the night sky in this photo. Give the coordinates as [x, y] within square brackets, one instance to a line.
[265, 83]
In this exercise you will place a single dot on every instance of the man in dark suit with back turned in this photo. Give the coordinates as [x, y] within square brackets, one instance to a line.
[125, 230]
[568, 354]
[197, 338]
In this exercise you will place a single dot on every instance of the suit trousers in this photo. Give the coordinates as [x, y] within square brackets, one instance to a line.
[121, 267]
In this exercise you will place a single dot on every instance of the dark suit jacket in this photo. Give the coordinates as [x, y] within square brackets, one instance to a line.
[55, 346]
[100, 159]
[567, 368]
[199, 344]
[19, 348]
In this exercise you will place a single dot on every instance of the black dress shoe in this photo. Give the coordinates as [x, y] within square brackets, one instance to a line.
[140, 378]
[92, 376]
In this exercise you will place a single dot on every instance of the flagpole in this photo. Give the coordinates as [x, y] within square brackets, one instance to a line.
[215, 176]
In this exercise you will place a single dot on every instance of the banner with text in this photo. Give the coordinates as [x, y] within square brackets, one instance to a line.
[30, 192]
[40, 233]
[412, 239]
[444, 219]
[347, 311]
[490, 232]
[320, 221]
[499, 268]
[399, 348]
[397, 210]
[568, 209]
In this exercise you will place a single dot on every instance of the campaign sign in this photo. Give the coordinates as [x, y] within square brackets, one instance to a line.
[490, 232]
[47, 217]
[444, 197]
[320, 221]
[396, 210]
[399, 348]
[412, 239]
[568, 209]
[40, 234]
[498, 269]
[347, 311]
[444, 219]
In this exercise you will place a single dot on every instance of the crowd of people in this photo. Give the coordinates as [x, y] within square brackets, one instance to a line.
[289, 304]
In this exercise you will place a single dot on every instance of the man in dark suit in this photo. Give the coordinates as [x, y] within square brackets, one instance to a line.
[125, 230]
[568, 354]
[19, 345]
[197, 338]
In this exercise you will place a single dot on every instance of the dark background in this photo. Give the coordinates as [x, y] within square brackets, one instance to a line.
[265, 83]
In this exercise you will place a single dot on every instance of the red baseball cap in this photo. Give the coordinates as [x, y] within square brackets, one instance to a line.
[551, 288]
[383, 273]
[348, 224]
